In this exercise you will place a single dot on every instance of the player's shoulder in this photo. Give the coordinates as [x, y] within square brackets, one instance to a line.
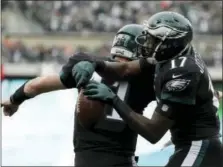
[183, 65]
[181, 77]
[190, 60]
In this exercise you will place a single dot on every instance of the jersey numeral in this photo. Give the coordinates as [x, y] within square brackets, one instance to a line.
[183, 60]
[121, 89]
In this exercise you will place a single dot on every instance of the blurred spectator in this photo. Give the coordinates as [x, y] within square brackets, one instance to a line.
[106, 16]
[16, 52]
[109, 16]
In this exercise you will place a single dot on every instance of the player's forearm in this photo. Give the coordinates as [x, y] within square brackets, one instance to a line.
[35, 87]
[118, 70]
[43, 84]
[142, 125]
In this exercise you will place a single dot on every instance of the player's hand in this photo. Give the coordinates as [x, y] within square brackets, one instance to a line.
[82, 73]
[99, 91]
[8, 108]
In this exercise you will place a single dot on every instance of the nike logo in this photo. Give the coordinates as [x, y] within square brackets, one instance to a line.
[176, 76]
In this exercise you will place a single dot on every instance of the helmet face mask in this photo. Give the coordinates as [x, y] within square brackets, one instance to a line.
[165, 35]
[158, 43]
[148, 44]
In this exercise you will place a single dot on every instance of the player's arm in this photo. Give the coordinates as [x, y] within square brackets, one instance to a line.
[49, 83]
[177, 95]
[123, 70]
[37, 86]
[111, 71]
[44, 84]
[151, 129]
[29, 90]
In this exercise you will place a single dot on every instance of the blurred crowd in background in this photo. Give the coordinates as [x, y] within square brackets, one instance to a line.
[17, 52]
[106, 16]
[109, 16]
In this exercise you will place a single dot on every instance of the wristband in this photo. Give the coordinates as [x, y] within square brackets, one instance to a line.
[19, 96]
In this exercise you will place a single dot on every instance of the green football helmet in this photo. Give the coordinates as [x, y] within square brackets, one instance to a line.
[166, 35]
[124, 44]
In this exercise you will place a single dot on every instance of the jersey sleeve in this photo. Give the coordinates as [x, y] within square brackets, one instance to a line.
[172, 110]
[180, 86]
[66, 71]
